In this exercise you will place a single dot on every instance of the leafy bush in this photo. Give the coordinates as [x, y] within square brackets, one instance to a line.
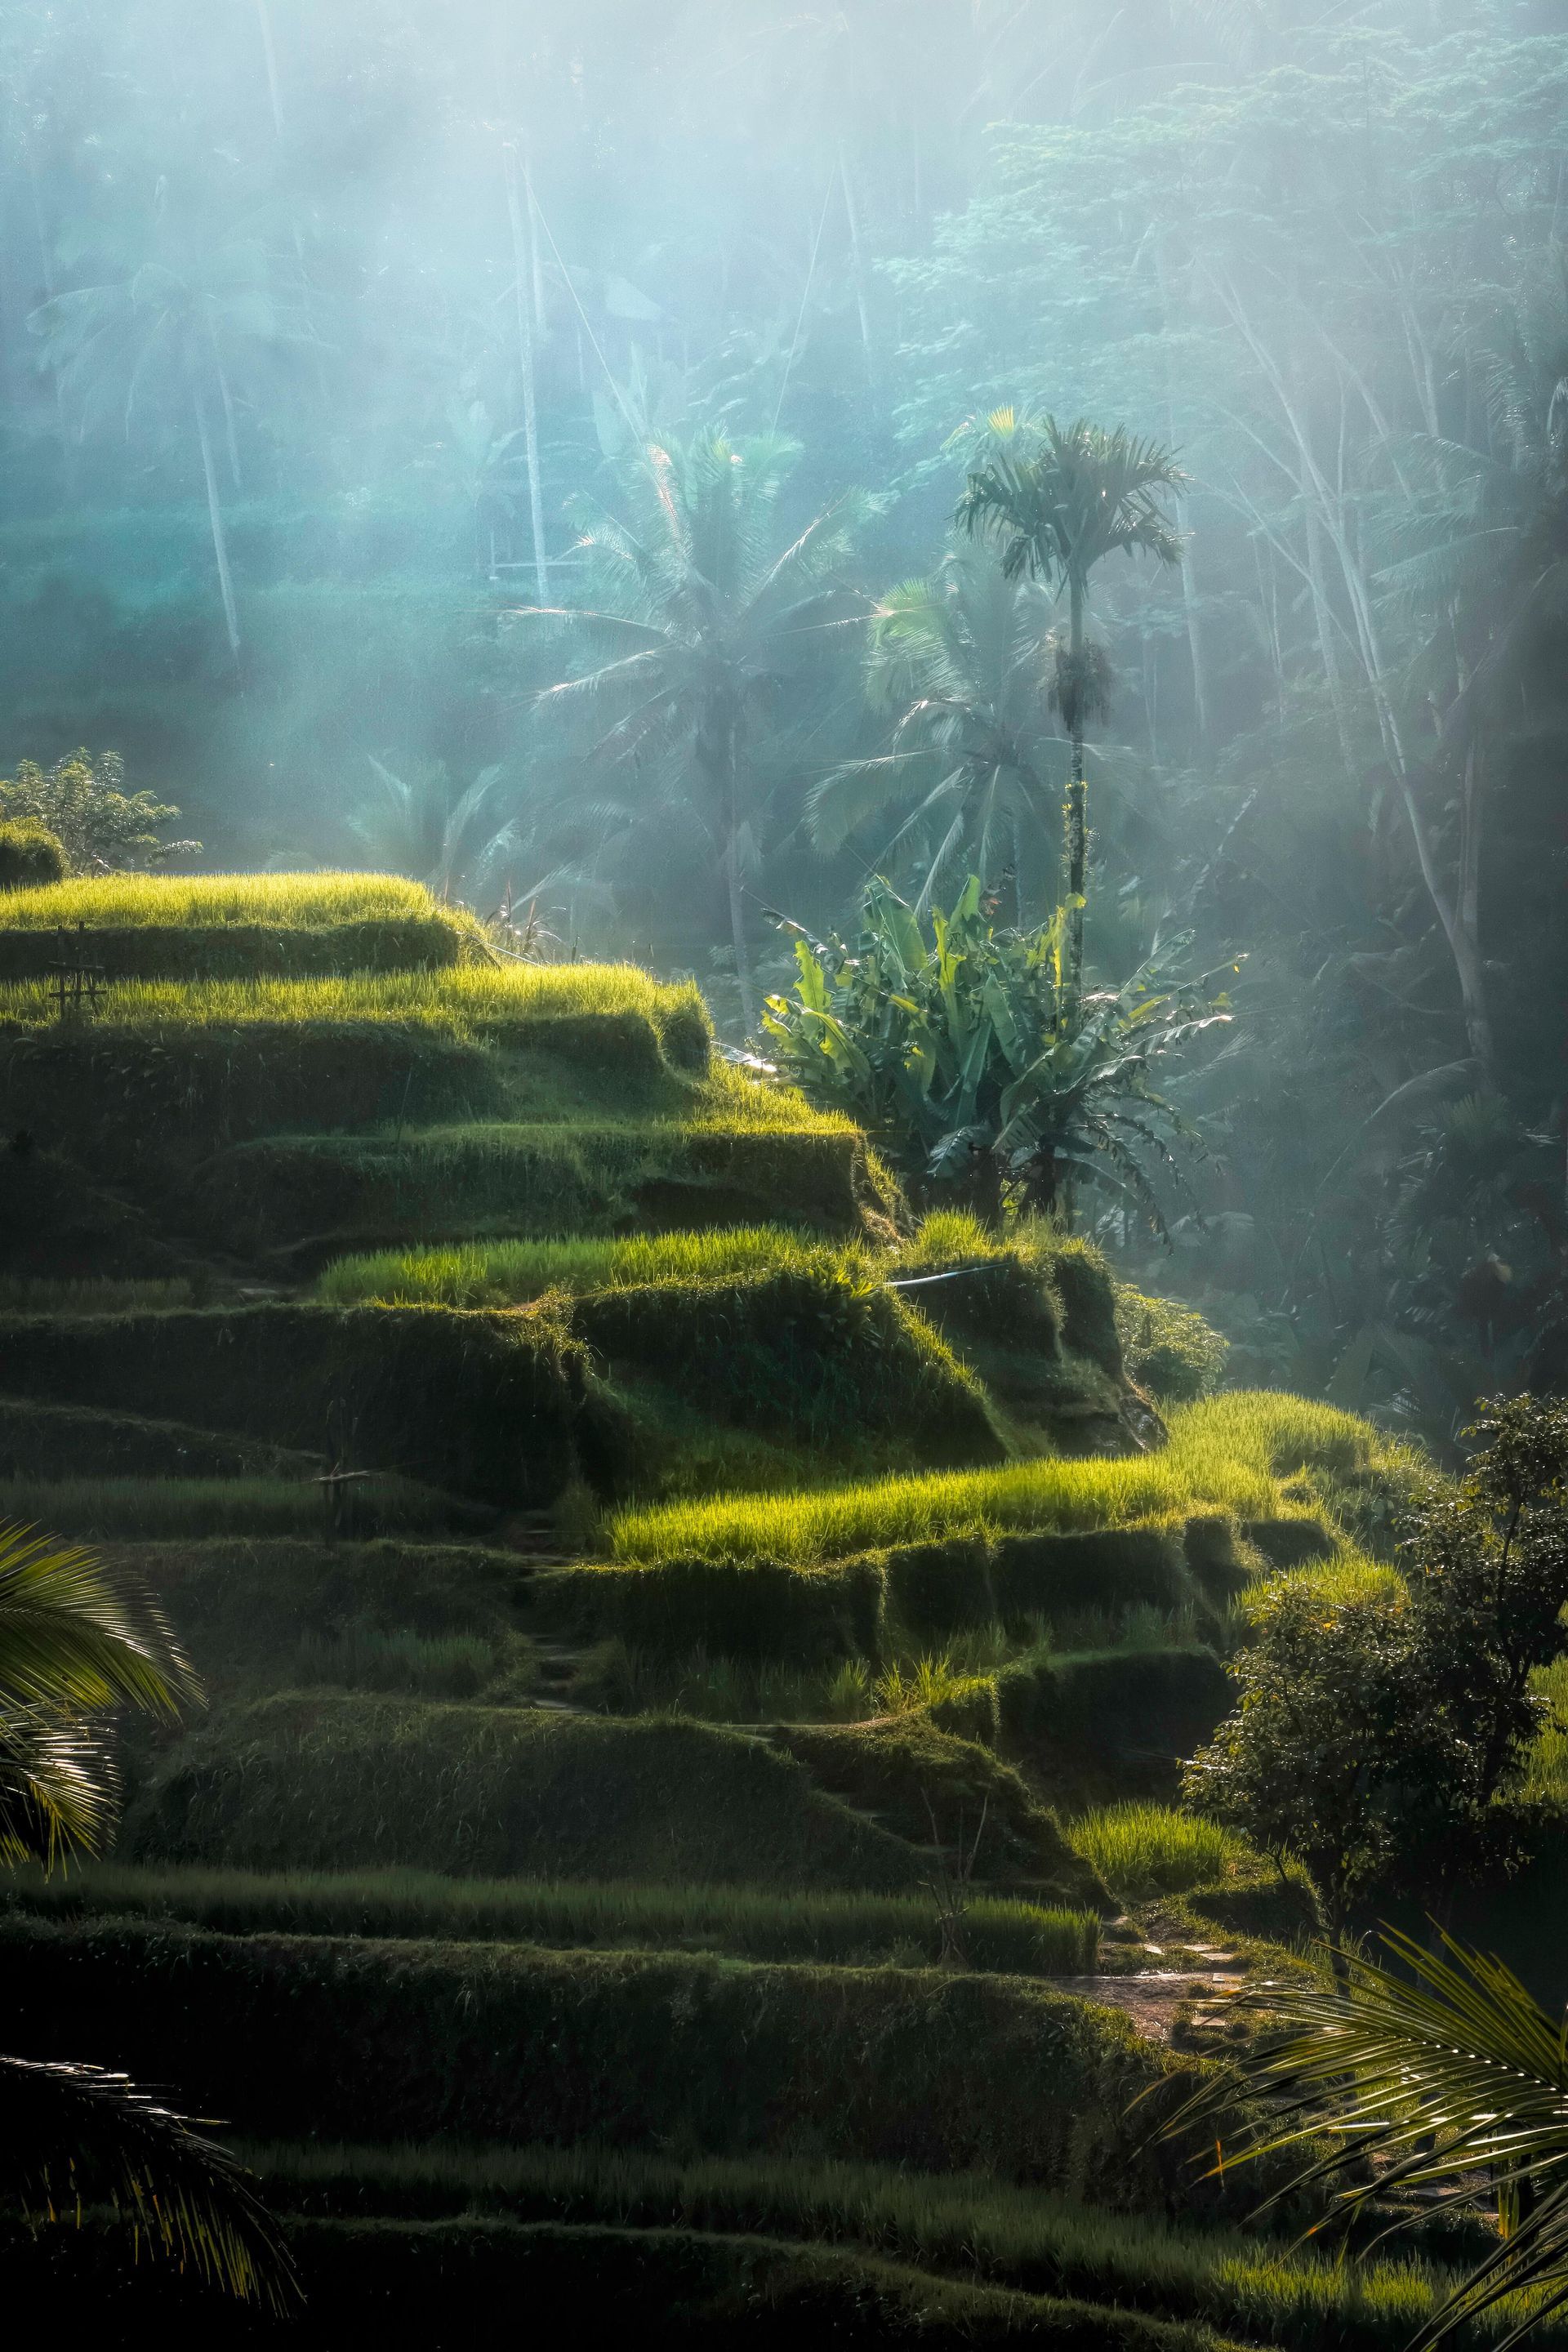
[82, 802]
[30, 857]
[967, 1060]
[1169, 1350]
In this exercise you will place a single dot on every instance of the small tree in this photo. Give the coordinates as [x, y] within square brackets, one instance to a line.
[1058, 499]
[82, 801]
[1328, 1731]
[1487, 1564]
[1377, 1737]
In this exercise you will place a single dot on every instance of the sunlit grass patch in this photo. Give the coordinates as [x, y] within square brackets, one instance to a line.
[470, 1001]
[1251, 1456]
[1142, 1850]
[286, 901]
[1069, 1496]
[495, 1274]
[1546, 1764]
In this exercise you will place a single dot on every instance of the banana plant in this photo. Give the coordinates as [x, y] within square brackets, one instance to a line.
[963, 1056]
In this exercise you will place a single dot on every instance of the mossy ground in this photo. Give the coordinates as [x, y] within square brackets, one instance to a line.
[678, 1638]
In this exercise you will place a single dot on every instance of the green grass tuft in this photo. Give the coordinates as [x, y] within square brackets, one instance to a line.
[1250, 1456]
[207, 901]
[1143, 1850]
[509, 1273]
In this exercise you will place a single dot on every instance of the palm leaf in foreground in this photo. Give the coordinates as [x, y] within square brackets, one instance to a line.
[1446, 2076]
[74, 2135]
[70, 1639]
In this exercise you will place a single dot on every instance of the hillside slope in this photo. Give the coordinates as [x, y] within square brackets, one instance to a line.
[661, 1611]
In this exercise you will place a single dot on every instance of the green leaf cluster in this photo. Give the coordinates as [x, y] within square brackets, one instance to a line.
[958, 1049]
[82, 802]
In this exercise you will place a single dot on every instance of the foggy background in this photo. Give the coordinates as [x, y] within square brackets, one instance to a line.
[330, 333]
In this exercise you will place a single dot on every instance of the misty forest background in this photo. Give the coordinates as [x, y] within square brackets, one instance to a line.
[334, 342]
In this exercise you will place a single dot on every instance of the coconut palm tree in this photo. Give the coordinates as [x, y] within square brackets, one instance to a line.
[1058, 499]
[72, 1647]
[171, 336]
[1440, 2073]
[694, 621]
[956, 662]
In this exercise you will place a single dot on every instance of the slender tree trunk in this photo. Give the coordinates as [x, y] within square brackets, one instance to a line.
[733, 878]
[214, 521]
[522, 278]
[718, 757]
[1076, 818]
[535, 258]
[1333, 1907]
[264, 18]
[855, 261]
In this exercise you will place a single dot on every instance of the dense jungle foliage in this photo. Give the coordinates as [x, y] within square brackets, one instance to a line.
[521, 452]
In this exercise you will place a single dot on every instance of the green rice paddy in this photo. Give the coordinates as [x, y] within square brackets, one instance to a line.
[754, 1923]
[470, 1003]
[1257, 1455]
[209, 901]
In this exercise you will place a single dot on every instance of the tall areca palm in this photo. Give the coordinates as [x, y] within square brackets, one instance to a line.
[72, 1647]
[172, 335]
[1058, 499]
[694, 620]
[956, 662]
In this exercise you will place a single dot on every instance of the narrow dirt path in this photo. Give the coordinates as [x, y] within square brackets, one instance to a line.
[1152, 1996]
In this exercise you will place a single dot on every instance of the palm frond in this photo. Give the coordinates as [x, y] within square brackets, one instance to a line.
[58, 1789]
[71, 1640]
[1432, 2074]
[70, 2136]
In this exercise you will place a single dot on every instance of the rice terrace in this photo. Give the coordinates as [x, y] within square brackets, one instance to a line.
[784, 1358]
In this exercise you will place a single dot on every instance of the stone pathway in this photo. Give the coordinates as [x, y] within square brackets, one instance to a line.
[1152, 1996]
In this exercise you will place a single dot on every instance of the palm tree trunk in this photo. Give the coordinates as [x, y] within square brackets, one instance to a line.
[522, 276]
[1077, 820]
[214, 521]
[854, 262]
[733, 878]
[264, 18]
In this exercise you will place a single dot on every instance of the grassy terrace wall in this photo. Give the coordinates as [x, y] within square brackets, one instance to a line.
[354, 2037]
[1004, 1936]
[497, 1407]
[511, 1176]
[347, 1781]
[421, 2285]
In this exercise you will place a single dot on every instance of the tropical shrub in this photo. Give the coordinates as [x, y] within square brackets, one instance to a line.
[30, 856]
[82, 801]
[972, 1067]
[1171, 1350]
